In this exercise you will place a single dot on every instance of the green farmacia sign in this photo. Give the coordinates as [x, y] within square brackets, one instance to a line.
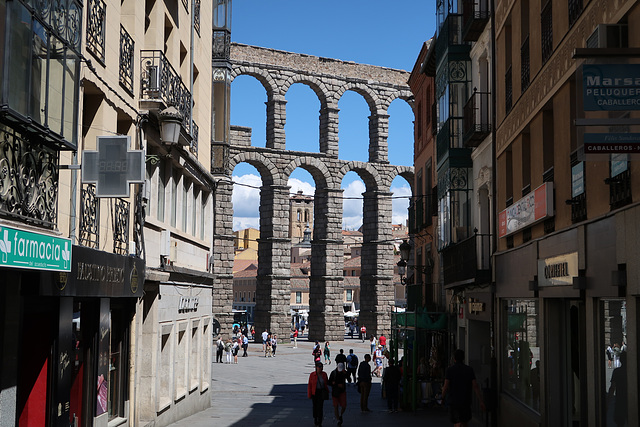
[35, 251]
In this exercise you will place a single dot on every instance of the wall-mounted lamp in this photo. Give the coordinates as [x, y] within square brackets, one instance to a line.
[170, 120]
[402, 271]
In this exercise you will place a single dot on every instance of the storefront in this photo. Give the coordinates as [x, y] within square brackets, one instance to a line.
[66, 335]
[562, 302]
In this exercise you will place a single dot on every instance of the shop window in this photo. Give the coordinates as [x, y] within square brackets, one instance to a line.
[611, 362]
[193, 357]
[520, 358]
[180, 364]
[165, 371]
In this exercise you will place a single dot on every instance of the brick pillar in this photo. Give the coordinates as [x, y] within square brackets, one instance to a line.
[273, 290]
[329, 130]
[376, 280]
[222, 255]
[378, 133]
[276, 118]
[326, 288]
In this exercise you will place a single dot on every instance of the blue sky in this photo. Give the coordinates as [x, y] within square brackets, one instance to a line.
[370, 32]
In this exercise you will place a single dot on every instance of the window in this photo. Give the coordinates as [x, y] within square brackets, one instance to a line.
[162, 187]
[174, 198]
[520, 358]
[43, 65]
[203, 213]
[298, 297]
[185, 202]
[546, 31]
[195, 201]
[349, 294]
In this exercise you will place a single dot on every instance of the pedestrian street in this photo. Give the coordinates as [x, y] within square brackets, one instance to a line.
[261, 391]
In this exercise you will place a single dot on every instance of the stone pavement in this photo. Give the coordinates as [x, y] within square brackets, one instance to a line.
[261, 391]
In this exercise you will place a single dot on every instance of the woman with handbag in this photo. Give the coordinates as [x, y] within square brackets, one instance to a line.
[318, 392]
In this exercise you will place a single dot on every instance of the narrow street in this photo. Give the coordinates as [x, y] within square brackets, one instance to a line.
[261, 391]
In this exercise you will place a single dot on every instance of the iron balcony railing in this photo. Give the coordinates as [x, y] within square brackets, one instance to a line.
[96, 21]
[126, 60]
[508, 90]
[475, 16]
[477, 121]
[525, 65]
[467, 260]
[160, 81]
[546, 31]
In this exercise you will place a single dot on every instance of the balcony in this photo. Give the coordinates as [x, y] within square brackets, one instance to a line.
[450, 35]
[475, 17]
[160, 82]
[477, 123]
[449, 136]
[468, 261]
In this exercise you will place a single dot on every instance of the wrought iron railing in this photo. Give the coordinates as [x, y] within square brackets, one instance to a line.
[89, 217]
[620, 190]
[477, 118]
[475, 17]
[508, 90]
[221, 47]
[121, 226]
[28, 179]
[525, 65]
[194, 139]
[579, 208]
[546, 31]
[126, 60]
[196, 16]
[575, 9]
[159, 80]
[468, 259]
[96, 20]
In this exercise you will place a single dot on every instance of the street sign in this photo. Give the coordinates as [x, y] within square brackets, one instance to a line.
[35, 251]
[113, 167]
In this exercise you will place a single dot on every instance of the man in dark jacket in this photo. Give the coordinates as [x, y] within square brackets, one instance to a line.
[391, 385]
[364, 382]
[338, 383]
[459, 381]
[352, 366]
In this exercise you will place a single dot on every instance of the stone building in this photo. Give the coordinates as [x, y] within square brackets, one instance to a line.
[566, 269]
[300, 216]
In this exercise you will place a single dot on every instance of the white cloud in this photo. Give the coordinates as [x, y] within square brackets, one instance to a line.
[399, 206]
[352, 205]
[307, 188]
[246, 197]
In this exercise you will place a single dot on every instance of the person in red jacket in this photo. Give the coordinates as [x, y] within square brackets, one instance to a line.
[318, 392]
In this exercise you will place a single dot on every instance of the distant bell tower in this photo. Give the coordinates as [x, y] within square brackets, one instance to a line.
[300, 216]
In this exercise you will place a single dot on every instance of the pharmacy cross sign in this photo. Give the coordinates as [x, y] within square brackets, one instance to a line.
[113, 167]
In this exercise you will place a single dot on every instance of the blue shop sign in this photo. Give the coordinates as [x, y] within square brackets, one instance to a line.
[611, 87]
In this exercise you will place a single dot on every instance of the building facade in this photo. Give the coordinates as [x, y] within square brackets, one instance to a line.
[566, 270]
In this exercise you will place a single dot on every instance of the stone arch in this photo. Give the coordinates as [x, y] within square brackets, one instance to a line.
[267, 169]
[369, 174]
[318, 170]
[263, 76]
[405, 172]
[403, 94]
[316, 85]
[371, 97]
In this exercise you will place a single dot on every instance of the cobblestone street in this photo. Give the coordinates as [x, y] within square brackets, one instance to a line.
[261, 391]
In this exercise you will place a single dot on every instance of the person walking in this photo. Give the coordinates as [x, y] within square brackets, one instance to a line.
[391, 382]
[265, 336]
[219, 349]
[382, 341]
[363, 332]
[227, 350]
[372, 344]
[234, 350]
[338, 383]
[318, 392]
[459, 381]
[352, 366]
[245, 345]
[327, 352]
[364, 382]
[295, 338]
[341, 358]
[316, 353]
[274, 344]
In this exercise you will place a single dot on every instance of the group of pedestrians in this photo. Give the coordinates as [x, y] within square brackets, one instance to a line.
[269, 344]
[460, 382]
[348, 370]
[231, 347]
